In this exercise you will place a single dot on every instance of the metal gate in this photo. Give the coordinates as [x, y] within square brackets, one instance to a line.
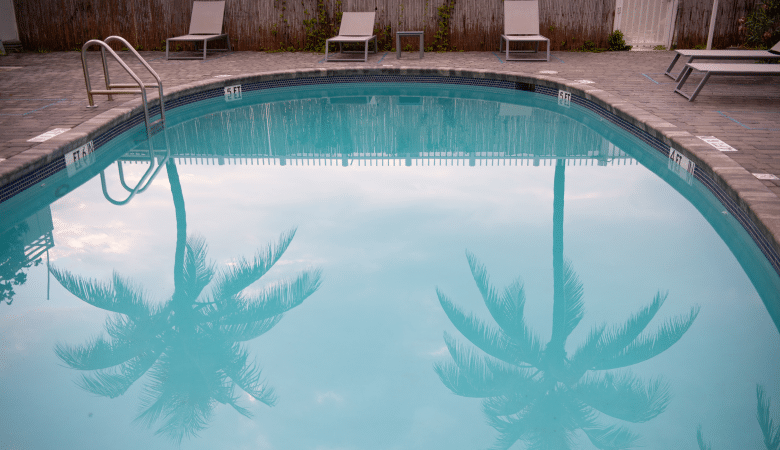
[646, 23]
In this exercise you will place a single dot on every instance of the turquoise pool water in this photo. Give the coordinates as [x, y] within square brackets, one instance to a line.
[390, 266]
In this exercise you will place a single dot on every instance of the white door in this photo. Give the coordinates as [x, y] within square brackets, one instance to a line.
[646, 23]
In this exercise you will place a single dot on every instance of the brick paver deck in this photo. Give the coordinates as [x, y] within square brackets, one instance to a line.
[39, 92]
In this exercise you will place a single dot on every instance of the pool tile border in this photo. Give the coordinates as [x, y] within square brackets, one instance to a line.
[661, 137]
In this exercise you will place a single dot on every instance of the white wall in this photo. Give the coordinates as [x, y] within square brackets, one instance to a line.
[8, 31]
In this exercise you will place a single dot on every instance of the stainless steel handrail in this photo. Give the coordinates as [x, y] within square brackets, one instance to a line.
[123, 88]
[159, 85]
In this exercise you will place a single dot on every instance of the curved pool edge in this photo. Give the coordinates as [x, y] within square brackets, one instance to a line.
[757, 201]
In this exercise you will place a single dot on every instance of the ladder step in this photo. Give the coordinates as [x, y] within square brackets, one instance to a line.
[156, 126]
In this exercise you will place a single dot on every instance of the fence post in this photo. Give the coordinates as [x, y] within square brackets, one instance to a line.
[712, 24]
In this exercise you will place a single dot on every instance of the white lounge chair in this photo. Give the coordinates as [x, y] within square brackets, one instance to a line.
[205, 26]
[735, 55]
[355, 27]
[521, 24]
[710, 69]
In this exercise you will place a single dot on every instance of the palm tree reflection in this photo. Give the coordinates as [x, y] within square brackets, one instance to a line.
[769, 429]
[190, 346]
[540, 394]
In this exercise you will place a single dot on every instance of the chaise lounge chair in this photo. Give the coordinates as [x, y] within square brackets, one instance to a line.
[521, 24]
[722, 69]
[205, 26]
[772, 53]
[355, 27]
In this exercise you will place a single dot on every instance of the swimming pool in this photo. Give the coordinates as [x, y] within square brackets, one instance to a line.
[403, 198]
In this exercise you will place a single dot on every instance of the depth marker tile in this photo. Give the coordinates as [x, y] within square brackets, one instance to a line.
[717, 143]
[48, 135]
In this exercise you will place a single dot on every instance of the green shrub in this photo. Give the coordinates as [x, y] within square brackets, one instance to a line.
[761, 28]
[317, 29]
[616, 43]
[590, 46]
[441, 39]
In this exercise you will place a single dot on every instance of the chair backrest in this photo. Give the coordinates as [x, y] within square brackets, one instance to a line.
[207, 17]
[521, 17]
[357, 24]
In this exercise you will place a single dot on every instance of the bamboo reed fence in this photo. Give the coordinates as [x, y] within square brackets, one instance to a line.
[270, 25]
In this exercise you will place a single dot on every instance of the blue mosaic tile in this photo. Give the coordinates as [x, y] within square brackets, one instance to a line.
[544, 90]
[31, 179]
[424, 79]
[742, 217]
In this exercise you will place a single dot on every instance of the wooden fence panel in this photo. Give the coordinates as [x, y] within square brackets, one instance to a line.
[473, 25]
[694, 20]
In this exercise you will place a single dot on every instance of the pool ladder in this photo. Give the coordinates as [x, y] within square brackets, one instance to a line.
[162, 155]
[113, 89]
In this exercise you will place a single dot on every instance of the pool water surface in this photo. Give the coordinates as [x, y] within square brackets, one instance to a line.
[383, 267]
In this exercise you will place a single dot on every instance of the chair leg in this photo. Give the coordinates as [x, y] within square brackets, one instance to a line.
[698, 88]
[668, 72]
[167, 41]
[684, 74]
[205, 44]
[680, 74]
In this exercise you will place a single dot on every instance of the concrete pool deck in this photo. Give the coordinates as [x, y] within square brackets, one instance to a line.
[42, 92]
